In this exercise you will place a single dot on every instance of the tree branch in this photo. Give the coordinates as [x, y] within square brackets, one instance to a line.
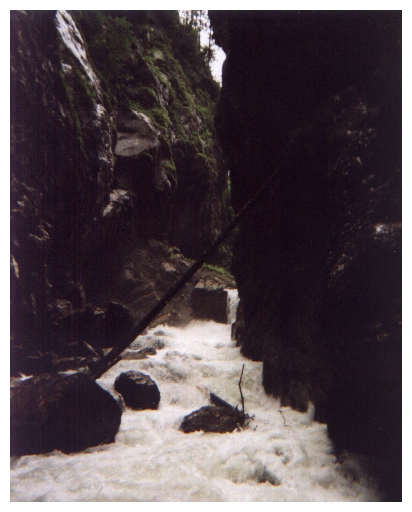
[240, 389]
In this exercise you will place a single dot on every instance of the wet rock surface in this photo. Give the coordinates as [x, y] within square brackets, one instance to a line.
[63, 412]
[209, 301]
[212, 419]
[139, 391]
[220, 417]
[78, 214]
[149, 351]
[135, 133]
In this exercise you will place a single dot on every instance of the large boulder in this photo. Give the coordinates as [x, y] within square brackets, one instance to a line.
[61, 412]
[220, 417]
[138, 390]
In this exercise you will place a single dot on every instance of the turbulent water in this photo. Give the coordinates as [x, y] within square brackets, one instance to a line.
[282, 455]
[232, 303]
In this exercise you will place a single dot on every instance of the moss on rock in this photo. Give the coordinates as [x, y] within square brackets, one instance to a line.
[152, 64]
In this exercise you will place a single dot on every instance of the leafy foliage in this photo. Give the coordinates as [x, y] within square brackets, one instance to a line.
[199, 21]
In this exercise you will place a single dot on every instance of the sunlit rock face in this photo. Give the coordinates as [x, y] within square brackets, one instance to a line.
[317, 96]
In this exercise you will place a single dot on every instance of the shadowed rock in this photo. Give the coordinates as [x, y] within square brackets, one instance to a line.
[61, 412]
[212, 419]
[318, 260]
[209, 301]
[138, 390]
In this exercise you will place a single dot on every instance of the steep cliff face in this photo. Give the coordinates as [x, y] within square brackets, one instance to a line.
[111, 145]
[61, 169]
[168, 161]
[317, 96]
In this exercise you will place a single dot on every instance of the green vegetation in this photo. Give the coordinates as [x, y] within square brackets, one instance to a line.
[219, 270]
[149, 59]
[109, 41]
[151, 62]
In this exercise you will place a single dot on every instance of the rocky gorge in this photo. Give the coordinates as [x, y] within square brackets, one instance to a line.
[124, 152]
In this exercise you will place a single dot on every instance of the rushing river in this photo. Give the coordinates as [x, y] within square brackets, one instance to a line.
[283, 455]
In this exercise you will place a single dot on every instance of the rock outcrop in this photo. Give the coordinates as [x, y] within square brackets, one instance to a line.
[135, 134]
[63, 412]
[57, 189]
[317, 96]
[209, 301]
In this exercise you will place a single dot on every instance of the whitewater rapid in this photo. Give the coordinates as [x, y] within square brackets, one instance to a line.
[281, 456]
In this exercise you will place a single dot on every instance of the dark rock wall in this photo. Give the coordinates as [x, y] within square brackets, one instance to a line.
[317, 95]
[57, 188]
[88, 181]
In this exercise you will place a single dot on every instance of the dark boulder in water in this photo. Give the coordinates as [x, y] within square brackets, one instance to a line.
[213, 419]
[61, 412]
[138, 390]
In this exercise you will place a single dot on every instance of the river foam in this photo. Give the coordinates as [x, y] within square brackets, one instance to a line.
[281, 456]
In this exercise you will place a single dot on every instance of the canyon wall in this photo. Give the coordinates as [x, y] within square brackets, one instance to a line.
[114, 163]
[316, 96]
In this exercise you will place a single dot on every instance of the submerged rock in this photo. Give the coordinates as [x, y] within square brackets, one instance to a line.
[61, 412]
[149, 351]
[146, 342]
[130, 355]
[138, 390]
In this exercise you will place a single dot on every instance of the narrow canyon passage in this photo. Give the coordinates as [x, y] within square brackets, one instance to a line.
[128, 160]
[282, 455]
